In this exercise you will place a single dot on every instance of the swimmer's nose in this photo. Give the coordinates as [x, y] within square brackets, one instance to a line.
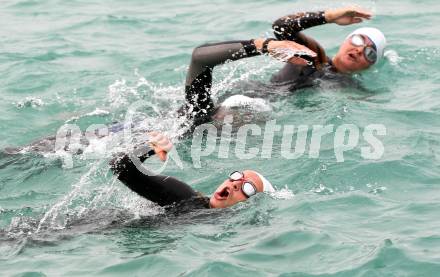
[234, 186]
[357, 49]
[358, 52]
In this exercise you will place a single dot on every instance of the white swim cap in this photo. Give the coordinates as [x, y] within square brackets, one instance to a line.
[376, 36]
[267, 186]
[242, 100]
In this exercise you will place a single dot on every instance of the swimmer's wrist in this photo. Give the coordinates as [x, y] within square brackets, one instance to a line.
[265, 47]
[328, 16]
[259, 44]
[262, 45]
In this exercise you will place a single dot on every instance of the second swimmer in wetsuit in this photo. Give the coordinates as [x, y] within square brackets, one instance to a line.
[362, 48]
[359, 51]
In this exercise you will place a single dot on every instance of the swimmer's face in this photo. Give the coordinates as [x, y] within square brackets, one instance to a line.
[230, 193]
[350, 58]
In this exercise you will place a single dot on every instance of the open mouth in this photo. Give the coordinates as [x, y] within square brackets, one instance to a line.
[223, 194]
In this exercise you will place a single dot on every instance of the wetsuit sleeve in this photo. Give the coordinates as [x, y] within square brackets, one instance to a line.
[161, 189]
[290, 27]
[198, 84]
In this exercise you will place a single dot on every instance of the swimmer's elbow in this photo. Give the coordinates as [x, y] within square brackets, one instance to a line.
[278, 24]
[280, 28]
[197, 57]
[286, 28]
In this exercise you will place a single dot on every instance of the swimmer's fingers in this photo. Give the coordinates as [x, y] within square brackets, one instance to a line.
[286, 50]
[356, 20]
[310, 53]
[153, 136]
[292, 60]
[160, 143]
[279, 56]
[298, 61]
[293, 53]
[162, 155]
[358, 12]
[347, 15]
[156, 137]
[291, 45]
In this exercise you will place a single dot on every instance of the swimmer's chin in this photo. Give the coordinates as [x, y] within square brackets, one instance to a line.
[217, 204]
[213, 203]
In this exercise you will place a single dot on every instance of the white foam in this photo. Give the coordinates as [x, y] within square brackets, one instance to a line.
[30, 101]
[96, 112]
[282, 194]
[393, 57]
[241, 100]
[323, 189]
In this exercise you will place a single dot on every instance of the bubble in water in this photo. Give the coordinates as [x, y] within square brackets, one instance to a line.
[30, 102]
[393, 57]
[322, 189]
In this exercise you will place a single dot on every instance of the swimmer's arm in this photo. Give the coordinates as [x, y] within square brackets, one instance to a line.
[123, 166]
[161, 189]
[199, 77]
[208, 56]
[289, 27]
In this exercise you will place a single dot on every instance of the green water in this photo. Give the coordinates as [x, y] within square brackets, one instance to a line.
[84, 62]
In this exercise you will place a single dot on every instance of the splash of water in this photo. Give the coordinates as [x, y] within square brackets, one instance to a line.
[82, 198]
[53, 213]
[285, 54]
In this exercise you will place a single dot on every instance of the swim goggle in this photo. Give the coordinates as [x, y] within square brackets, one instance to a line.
[370, 52]
[248, 188]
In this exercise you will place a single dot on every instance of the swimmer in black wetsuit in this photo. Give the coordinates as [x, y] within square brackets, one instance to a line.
[361, 49]
[174, 194]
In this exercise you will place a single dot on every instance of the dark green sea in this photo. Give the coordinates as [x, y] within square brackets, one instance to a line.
[85, 62]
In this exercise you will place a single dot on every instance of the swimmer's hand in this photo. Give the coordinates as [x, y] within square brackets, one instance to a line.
[347, 15]
[291, 52]
[160, 144]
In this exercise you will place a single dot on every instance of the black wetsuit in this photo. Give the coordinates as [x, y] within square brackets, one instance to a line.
[164, 190]
[199, 105]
